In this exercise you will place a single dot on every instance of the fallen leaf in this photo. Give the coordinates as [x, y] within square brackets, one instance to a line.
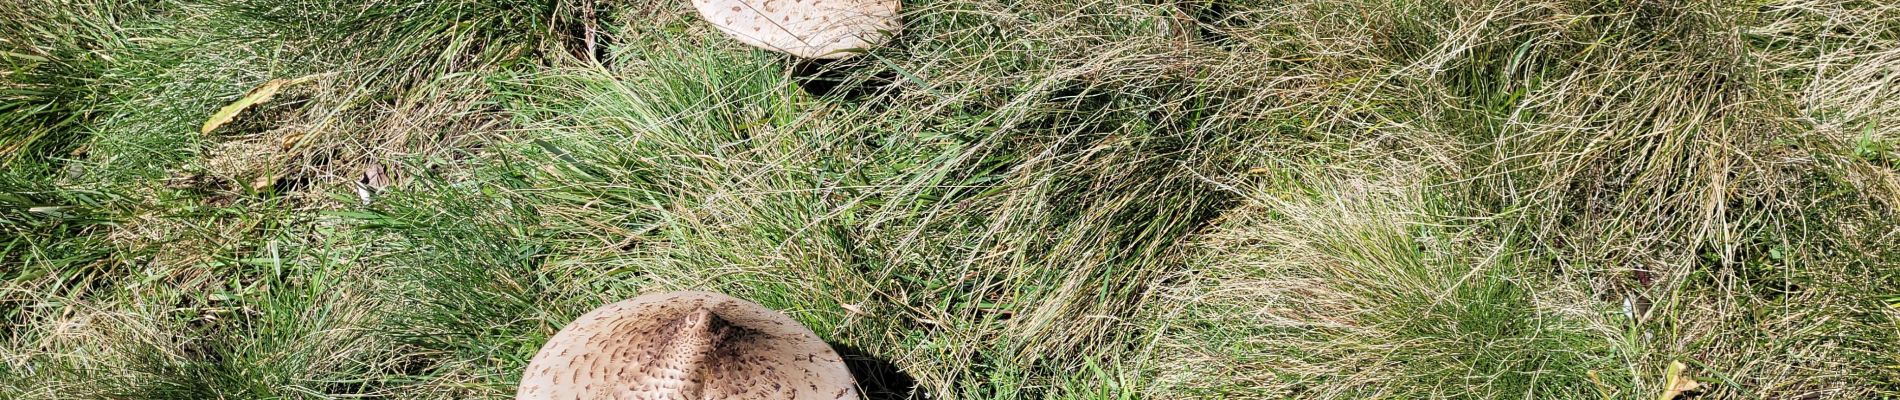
[265, 181]
[290, 140]
[260, 95]
[1677, 383]
[375, 178]
[1603, 389]
[853, 308]
[256, 96]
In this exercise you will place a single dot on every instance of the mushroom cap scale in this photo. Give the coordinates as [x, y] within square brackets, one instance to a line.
[823, 29]
[686, 345]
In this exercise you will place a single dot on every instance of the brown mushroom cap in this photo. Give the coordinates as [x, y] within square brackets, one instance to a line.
[686, 345]
[804, 28]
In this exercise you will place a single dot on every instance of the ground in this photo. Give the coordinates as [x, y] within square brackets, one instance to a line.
[1310, 199]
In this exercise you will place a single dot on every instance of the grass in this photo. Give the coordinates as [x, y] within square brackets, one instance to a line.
[1033, 199]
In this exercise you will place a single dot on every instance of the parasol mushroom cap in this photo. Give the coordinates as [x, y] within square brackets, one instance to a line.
[824, 29]
[686, 345]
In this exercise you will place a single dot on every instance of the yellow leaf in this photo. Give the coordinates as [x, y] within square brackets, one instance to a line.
[1603, 389]
[260, 95]
[1676, 383]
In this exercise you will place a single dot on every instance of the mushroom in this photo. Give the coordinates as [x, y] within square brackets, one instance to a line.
[686, 345]
[823, 29]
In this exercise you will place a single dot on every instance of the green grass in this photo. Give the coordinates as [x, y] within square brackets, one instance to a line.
[1036, 199]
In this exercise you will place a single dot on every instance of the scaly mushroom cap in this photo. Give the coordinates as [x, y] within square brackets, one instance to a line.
[804, 28]
[686, 345]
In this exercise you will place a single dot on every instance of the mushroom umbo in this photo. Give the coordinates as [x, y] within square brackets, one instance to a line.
[823, 29]
[686, 345]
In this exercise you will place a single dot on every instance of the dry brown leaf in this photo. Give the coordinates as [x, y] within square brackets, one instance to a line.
[1677, 383]
[374, 177]
[290, 140]
[265, 181]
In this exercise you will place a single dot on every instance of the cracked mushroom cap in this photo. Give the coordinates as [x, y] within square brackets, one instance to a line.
[686, 345]
[804, 28]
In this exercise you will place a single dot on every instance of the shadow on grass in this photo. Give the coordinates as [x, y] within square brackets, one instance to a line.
[877, 378]
[833, 77]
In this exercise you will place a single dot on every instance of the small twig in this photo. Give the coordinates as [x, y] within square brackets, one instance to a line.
[587, 25]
